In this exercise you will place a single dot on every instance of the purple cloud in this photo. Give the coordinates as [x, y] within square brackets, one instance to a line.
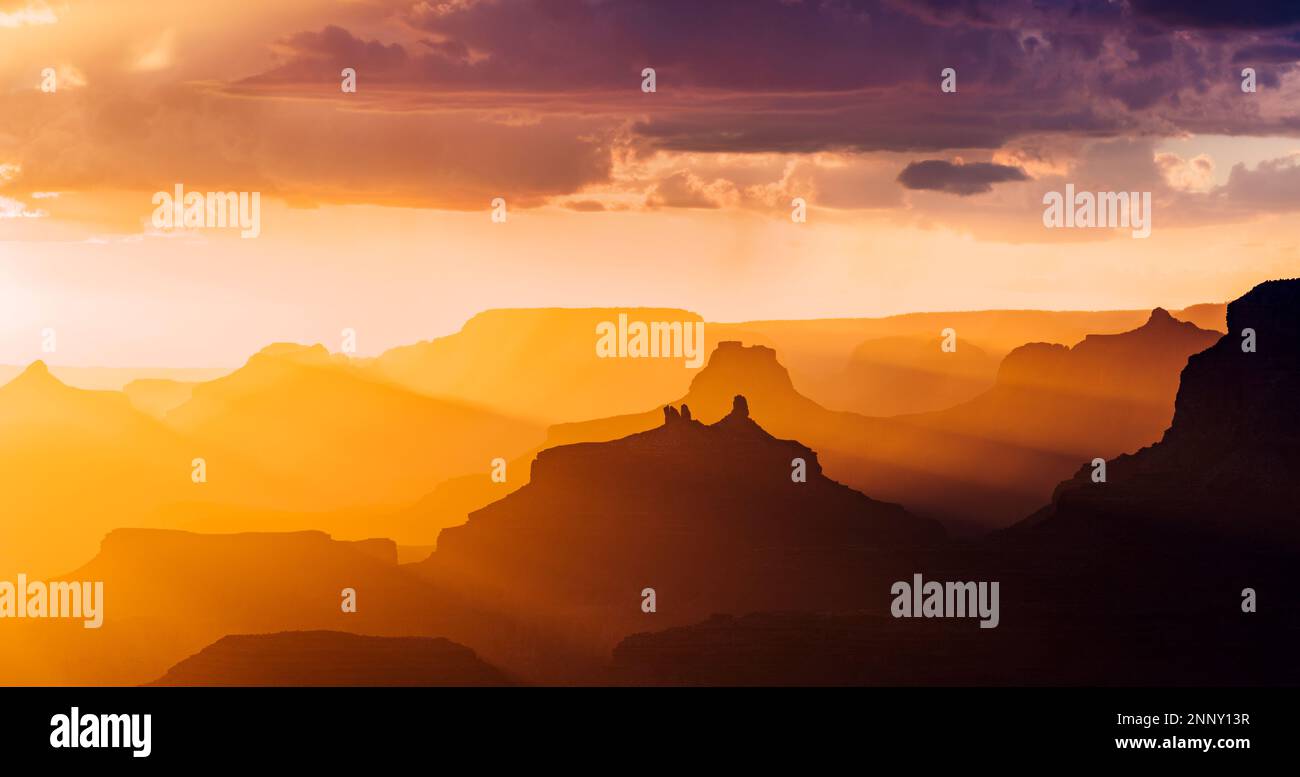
[960, 179]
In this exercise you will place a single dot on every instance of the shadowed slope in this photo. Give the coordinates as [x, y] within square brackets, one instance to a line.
[347, 439]
[895, 375]
[168, 593]
[972, 484]
[979, 465]
[1178, 569]
[1229, 465]
[707, 515]
[332, 658]
[158, 397]
[817, 352]
[76, 463]
[539, 364]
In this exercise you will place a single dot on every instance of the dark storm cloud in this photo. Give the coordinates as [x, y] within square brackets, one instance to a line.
[842, 75]
[1272, 52]
[959, 179]
[1220, 14]
[732, 75]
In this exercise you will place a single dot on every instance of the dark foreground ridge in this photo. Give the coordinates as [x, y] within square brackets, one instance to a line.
[1229, 465]
[1179, 569]
[334, 658]
[712, 516]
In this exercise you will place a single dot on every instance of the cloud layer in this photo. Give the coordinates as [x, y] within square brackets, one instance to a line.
[461, 101]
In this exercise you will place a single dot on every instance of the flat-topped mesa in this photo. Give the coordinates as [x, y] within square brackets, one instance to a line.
[734, 363]
[751, 370]
[251, 582]
[731, 356]
[293, 353]
[135, 544]
[332, 658]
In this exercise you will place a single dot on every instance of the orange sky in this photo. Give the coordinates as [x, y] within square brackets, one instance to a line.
[375, 209]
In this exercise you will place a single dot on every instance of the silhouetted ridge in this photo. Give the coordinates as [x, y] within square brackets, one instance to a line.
[254, 581]
[1139, 364]
[1234, 398]
[696, 510]
[1147, 578]
[679, 439]
[1228, 463]
[332, 658]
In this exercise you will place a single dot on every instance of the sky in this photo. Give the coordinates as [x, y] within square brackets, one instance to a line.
[376, 205]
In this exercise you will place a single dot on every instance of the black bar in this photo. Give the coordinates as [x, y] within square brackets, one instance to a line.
[972, 726]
